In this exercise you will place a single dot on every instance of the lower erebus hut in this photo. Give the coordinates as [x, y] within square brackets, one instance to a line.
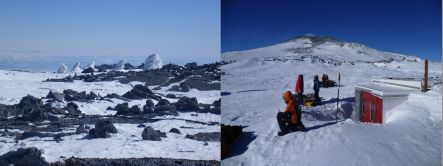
[374, 101]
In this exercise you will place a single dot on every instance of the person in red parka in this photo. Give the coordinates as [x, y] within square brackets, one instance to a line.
[290, 119]
[299, 89]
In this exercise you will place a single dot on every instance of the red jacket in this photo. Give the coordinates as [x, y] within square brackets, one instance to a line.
[299, 85]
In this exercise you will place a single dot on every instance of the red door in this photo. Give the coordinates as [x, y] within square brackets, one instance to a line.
[376, 109]
[365, 110]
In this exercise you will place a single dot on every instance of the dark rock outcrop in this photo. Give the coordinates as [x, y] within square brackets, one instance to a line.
[71, 95]
[206, 136]
[22, 157]
[102, 129]
[161, 110]
[88, 70]
[191, 66]
[29, 104]
[140, 92]
[174, 130]
[171, 96]
[123, 109]
[36, 115]
[187, 104]
[114, 95]
[135, 110]
[150, 134]
[55, 111]
[134, 161]
[215, 110]
[162, 102]
[52, 118]
[163, 107]
[73, 110]
[217, 103]
[148, 107]
[129, 66]
[55, 96]
[31, 109]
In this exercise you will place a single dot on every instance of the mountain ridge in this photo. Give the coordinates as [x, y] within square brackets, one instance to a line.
[323, 47]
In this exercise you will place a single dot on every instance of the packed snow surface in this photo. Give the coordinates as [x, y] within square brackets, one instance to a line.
[252, 95]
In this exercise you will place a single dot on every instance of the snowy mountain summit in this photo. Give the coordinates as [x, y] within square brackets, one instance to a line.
[153, 62]
[318, 48]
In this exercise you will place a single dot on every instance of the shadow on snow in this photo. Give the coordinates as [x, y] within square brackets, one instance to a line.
[240, 145]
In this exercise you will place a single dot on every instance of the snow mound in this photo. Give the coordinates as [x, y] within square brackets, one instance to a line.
[120, 65]
[419, 109]
[77, 68]
[153, 62]
[62, 69]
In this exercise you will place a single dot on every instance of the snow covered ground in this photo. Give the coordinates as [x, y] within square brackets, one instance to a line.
[253, 89]
[127, 142]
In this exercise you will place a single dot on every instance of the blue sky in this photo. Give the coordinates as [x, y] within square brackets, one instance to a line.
[180, 31]
[411, 27]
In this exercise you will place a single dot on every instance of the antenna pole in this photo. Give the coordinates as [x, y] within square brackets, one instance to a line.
[338, 95]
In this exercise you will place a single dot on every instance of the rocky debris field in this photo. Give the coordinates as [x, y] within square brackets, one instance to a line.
[33, 156]
[204, 77]
[158, 108]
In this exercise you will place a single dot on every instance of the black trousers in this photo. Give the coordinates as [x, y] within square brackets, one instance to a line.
[317, 97]
[285, 124]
